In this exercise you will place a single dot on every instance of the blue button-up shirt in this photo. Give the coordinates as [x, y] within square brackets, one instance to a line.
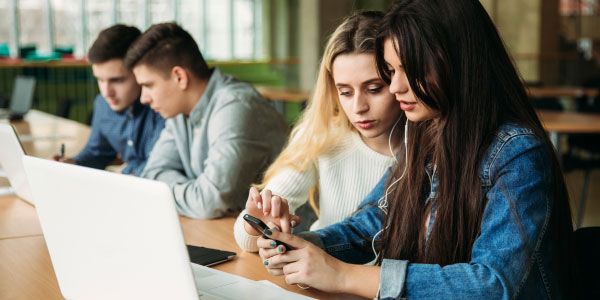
[511, 258]
[130, 133]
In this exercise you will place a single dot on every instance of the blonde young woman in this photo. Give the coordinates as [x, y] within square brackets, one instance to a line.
[342, 144]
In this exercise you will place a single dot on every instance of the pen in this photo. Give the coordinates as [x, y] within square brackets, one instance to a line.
[62, 150]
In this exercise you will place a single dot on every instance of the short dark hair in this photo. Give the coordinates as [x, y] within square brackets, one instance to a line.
[112, 42]
[164, 46]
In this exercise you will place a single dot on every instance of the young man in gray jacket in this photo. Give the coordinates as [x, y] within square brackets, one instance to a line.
[220, 134]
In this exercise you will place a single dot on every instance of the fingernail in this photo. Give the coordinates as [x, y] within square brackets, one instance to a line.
[259, 205]
[293, 223]
[276, 228]
[280, 248]
[267, 231]
[273, 244]
[266, 262]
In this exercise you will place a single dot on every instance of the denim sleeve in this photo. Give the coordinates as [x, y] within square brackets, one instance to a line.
[98, 152]
[136, 166]
[350, 240]
[514, 223]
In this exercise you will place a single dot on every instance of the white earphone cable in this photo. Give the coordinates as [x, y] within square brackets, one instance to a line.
[382, 203]
[390, 140]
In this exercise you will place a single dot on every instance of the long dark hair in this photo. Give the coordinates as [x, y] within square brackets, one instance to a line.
[456, 64]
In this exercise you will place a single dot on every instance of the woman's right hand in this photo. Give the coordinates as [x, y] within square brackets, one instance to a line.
[306, 264]
[269, 208]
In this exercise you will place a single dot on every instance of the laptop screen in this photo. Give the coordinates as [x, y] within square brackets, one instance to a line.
[22, 95]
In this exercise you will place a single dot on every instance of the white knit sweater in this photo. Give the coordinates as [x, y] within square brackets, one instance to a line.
[346, 174]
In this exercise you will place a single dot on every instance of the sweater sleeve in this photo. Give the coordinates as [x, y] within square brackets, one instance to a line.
[245, 240]
[294, 186]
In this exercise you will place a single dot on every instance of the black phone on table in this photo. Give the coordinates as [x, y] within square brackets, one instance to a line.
[260, 226]
[208, 256]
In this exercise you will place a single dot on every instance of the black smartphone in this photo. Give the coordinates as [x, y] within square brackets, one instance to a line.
[260, 226]
[208, 256]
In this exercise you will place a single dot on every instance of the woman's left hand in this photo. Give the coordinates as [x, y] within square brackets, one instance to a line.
[304, 263]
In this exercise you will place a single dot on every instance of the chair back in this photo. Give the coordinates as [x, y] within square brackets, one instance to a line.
[587, 241]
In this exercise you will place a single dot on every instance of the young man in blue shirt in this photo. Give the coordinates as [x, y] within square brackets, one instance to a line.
[220, 134]
[121, 125]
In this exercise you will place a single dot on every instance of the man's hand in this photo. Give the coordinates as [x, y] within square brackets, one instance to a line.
[64, 159]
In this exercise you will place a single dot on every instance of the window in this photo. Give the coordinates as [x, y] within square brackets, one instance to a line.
[5, 23]
[128, 12]
[193, 20]
[161, 11]
[218, 42]
[579, 7]
[244, 33]
[66, 17]
[98, 15]
[33, 33]
[223, 29]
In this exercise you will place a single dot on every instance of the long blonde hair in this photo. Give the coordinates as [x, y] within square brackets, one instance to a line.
[323, 122]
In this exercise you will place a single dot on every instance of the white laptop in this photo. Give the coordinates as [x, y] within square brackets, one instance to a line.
[11, 154]
[114, 236]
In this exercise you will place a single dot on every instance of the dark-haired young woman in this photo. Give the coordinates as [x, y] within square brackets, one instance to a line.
[476, 207]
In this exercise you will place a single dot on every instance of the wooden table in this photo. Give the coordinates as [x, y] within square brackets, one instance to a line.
[569, 122]
[285, 94]
[219, 234]
[42, 134]
[17, 219]
[564, 122]
[561, 92]
[26, 271]
[559, 123]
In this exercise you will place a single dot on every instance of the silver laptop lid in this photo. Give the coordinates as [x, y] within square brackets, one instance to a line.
[22, 95]
[11, 154]
[110, 236]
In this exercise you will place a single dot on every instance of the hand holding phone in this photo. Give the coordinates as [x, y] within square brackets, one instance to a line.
[260, 226]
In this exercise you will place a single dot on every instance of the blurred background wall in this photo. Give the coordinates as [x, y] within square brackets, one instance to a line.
[265, 42]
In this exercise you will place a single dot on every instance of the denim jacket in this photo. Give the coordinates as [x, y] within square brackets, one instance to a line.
[511, 257]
